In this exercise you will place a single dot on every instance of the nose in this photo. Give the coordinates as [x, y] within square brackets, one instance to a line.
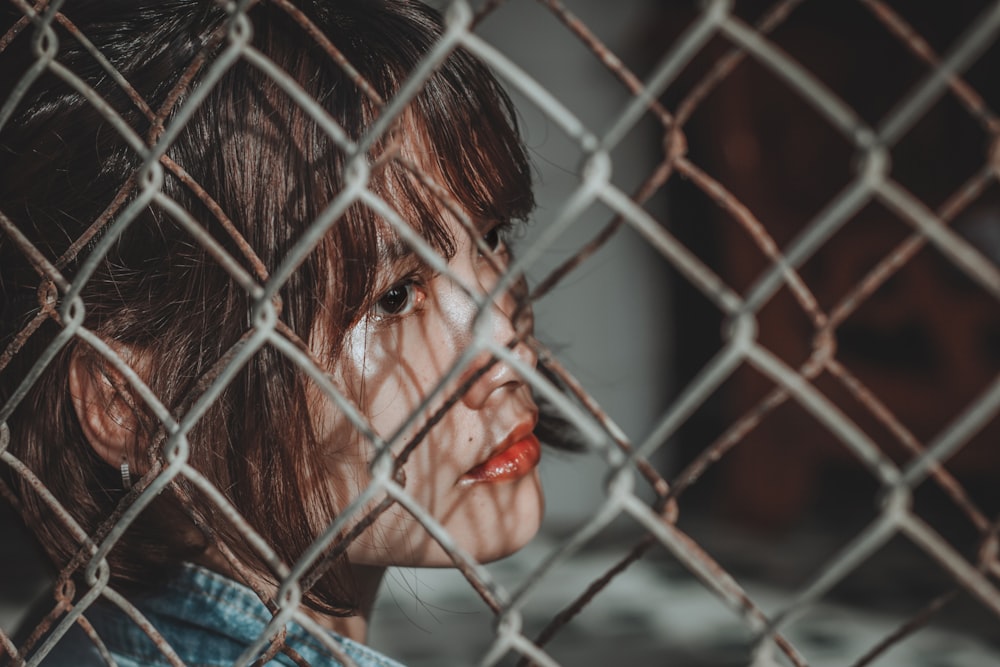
[510, 318]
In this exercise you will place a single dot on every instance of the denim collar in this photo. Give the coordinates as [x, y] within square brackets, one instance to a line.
[210, 619]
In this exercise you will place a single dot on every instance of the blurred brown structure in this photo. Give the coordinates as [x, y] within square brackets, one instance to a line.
[926, 342]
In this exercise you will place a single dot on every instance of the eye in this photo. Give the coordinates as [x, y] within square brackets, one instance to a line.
[402, 298]
[493, 239]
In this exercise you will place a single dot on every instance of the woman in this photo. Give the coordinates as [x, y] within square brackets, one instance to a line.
[300, 282]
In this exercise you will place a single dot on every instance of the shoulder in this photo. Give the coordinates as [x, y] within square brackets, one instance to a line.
[206, 619]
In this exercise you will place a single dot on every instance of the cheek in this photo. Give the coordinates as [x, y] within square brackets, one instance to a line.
[389, 371]
[387, 380]
[487, 523]
[375, 373]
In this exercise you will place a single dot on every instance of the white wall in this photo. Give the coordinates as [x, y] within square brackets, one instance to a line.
[609, 317]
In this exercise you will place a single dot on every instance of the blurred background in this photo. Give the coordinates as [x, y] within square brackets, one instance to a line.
[777, 506]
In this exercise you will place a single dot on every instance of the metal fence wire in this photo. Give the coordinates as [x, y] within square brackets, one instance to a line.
[796, 356]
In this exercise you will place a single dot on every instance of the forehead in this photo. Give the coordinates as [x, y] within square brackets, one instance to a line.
[412, 181]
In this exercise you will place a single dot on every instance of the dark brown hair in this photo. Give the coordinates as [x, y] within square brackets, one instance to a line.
[255, 170]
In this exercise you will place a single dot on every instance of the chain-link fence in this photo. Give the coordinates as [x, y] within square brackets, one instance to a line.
[829, 172]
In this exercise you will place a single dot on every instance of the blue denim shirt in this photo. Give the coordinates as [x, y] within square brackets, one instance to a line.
[208, 619]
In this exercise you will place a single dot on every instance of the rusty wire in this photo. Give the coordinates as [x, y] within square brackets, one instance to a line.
[797, 383]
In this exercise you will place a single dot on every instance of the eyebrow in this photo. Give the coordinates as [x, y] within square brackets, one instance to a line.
[395, 250]
[394, 253]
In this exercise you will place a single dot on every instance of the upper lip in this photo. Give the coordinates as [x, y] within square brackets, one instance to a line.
[520, 431]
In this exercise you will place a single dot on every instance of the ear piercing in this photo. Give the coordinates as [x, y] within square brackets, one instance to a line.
[126, 477]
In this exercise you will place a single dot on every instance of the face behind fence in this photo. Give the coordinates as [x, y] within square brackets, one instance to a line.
[254, 171]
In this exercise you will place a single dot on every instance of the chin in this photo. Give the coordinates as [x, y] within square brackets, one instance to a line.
[488, 522]
[512, 525]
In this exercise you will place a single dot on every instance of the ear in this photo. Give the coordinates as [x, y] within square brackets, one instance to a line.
[102, 401]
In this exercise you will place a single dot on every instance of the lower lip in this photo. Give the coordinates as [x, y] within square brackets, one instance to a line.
[512, 463]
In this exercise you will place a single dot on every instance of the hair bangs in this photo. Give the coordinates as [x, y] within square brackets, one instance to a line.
[471, 127]
[456, 145]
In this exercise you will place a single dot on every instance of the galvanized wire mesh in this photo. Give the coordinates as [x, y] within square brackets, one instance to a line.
[821, 384]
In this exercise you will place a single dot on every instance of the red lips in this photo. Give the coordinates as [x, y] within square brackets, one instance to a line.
[512, 461]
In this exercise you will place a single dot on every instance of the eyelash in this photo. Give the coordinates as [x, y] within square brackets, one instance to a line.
[412, 290]
[499, 231]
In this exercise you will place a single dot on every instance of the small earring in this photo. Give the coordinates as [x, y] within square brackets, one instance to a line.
[126, 477]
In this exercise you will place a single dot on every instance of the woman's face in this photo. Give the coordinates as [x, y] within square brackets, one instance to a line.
[475, 470]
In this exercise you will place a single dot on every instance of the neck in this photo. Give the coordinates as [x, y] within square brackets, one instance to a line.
[367, 580]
